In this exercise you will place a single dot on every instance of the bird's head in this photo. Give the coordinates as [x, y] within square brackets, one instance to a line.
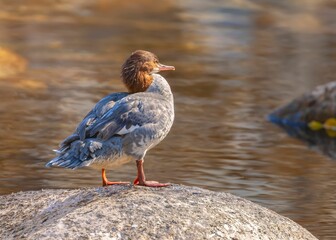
[137, 70]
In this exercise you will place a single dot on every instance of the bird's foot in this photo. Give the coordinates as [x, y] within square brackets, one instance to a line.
[150, 183]
[107, 183]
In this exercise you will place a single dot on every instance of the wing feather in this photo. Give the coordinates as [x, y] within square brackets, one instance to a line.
[116, 114]
[127, 115]
[97, 112]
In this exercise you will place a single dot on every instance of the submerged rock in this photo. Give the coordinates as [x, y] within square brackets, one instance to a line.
[128, 212]
[318, 105]
[311, 118]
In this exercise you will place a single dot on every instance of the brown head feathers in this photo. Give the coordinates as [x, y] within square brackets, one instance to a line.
[137, 70]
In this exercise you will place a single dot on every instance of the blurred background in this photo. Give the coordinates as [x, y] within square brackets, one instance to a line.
[236, 60]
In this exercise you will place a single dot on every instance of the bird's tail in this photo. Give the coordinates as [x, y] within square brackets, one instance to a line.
[71, 157]
[79, 153]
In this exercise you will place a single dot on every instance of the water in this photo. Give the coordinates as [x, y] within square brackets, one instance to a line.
[235, 62]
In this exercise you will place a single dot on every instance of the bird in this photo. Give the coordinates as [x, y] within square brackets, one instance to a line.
[123, 126]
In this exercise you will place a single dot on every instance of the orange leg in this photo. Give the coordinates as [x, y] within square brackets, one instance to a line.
[141, 178]
[107, 182]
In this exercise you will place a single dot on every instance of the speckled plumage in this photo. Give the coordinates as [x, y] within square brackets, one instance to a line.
[121, 127]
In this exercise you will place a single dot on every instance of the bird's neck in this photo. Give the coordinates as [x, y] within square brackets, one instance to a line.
[160, 86]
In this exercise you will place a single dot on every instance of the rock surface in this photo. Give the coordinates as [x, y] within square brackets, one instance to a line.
[132, 212]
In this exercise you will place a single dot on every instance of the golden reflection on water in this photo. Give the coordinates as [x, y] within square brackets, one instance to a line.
[235, 61]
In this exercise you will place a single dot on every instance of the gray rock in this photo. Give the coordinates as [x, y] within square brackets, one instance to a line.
[311, 118]
[133, 212]
[318, 105]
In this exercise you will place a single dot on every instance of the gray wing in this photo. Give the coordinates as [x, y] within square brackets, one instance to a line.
[126, 115]
[98, 111]
[95, 114]
[117, 118]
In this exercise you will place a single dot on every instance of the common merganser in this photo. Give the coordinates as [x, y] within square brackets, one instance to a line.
[124, 126]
